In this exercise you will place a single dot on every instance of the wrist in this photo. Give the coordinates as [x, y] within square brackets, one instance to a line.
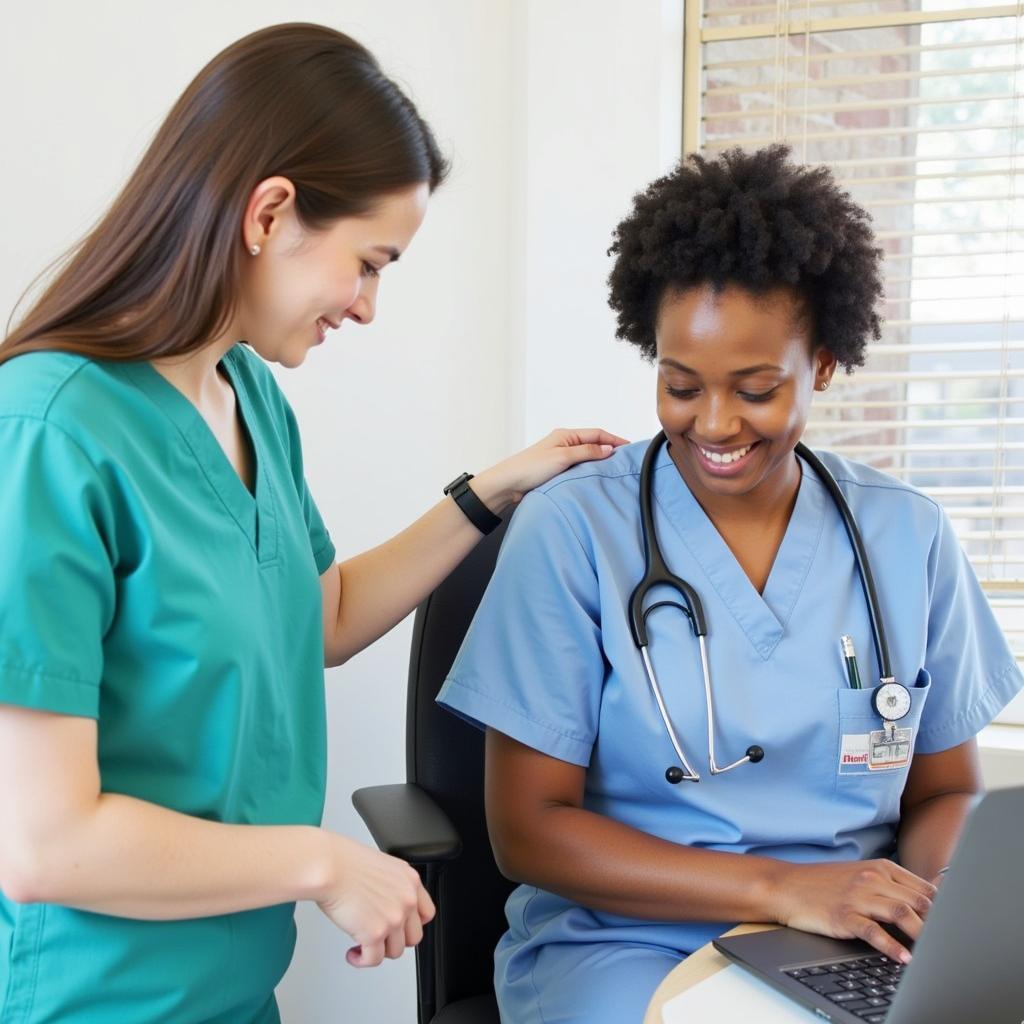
[492, 491]
[320, 876]
[772, 890]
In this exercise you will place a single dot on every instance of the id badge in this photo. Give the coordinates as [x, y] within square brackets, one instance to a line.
[889, 750]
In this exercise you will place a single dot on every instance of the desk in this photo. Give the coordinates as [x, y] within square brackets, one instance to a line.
[696, 967]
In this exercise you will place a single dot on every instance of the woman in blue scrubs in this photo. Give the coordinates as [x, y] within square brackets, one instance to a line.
[168, 592]
[748, 280]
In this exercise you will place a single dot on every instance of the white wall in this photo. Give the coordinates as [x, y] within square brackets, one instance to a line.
[600, 116]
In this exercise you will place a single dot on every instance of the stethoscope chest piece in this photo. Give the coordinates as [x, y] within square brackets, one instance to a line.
[892, 702]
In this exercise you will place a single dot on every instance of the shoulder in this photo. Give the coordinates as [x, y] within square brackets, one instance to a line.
[591, 482]
[80, 397]
[875, 495]
[577, 501]
[60, 420]
[31, 384]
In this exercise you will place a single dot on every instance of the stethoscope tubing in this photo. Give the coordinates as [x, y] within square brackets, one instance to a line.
[657, 573]
[867, 579]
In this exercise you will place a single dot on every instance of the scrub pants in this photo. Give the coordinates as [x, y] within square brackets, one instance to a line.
[587, 983]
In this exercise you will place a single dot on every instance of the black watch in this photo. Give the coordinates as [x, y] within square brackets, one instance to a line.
[476, 511]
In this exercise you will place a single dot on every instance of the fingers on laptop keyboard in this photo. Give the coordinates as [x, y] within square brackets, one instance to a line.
[875, 935]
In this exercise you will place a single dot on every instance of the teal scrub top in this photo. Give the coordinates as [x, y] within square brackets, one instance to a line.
[143, 585]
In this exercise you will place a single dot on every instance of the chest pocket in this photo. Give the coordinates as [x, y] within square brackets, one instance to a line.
[857, 720]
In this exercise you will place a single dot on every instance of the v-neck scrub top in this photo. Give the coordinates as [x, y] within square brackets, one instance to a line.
[143, 585]
[549, 660]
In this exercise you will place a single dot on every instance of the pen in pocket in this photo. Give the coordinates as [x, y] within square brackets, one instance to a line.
[850, 660]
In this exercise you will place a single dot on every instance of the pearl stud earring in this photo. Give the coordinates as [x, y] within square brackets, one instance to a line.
[254, 250]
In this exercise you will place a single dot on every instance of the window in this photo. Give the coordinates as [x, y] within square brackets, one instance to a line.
[917, 105]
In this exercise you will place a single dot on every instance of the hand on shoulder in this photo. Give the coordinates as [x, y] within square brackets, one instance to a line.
[506, 483]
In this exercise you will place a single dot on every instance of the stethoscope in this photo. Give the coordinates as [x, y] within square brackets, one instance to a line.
[890, 699]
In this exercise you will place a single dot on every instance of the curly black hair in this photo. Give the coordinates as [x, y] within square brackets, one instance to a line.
[757, 220]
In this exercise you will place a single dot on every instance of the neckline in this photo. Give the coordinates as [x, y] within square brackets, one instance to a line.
[252, 510]
[762, 616]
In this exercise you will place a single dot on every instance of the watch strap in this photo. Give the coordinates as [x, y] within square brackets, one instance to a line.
[473, 508]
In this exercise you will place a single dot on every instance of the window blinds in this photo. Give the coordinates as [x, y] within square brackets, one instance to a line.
[918, 106]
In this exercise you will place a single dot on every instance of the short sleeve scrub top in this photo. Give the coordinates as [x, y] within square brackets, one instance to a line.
[143, 585]
[550, 661]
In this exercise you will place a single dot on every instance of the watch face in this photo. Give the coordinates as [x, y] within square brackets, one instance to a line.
[457, 482]
[892, 701]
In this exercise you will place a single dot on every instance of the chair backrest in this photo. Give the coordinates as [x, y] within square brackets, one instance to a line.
[445, 756]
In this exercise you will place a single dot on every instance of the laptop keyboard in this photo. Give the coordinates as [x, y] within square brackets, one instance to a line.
[864, 986]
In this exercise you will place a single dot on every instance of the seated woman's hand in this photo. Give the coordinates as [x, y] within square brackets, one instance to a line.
[852, 900]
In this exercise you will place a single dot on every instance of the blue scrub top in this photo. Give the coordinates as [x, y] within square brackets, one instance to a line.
[550, 661]
[143, 585]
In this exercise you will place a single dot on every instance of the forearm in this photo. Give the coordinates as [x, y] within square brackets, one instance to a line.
[381, 586]
[604, 864]
[929, 831]
[129, 858]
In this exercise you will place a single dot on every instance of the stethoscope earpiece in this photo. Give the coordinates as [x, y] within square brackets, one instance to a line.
[675, 774]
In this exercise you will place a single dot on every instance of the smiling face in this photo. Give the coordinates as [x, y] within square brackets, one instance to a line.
[735, 376]
[304, 284]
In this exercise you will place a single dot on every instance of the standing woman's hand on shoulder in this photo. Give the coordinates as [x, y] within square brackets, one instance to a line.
[506, 483]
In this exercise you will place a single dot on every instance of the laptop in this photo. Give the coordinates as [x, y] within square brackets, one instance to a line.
[968, 963]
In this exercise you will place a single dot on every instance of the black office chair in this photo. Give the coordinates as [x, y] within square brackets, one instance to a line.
[436, 819]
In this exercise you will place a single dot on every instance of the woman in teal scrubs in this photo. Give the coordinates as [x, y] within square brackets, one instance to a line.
[748, 280]
[168, 592]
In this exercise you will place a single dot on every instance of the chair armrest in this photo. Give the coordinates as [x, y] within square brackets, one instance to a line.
[406, 822]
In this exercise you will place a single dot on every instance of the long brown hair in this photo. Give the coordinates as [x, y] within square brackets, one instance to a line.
[159, 273]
